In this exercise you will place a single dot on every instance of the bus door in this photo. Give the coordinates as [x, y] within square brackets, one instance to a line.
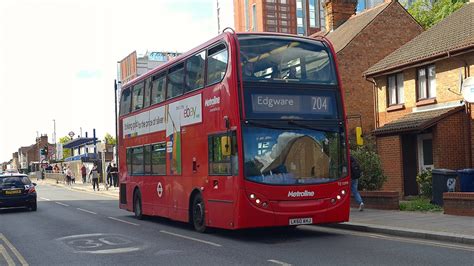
[223, 168]
[157, 187]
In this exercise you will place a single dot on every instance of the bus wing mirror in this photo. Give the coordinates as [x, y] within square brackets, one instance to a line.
[226, 145]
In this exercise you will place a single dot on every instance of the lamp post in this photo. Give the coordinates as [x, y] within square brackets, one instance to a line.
[116, 88]
[54, 131]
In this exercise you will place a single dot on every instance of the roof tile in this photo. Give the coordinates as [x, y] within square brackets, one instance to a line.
[453, 33]
[415, 121]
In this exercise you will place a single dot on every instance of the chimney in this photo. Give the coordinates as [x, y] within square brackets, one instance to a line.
[338, 12]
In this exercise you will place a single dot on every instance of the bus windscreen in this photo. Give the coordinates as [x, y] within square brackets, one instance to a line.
[287, 60]
[281, 154]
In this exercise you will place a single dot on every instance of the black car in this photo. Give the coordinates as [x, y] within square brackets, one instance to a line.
[16, 190]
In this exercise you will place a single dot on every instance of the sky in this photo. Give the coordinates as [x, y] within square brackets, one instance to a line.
[58, 59]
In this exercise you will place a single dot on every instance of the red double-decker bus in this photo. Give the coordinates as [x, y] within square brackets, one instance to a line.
[246, 130]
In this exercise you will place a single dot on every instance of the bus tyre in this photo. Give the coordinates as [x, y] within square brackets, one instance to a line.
[199, 218]
[137, 206]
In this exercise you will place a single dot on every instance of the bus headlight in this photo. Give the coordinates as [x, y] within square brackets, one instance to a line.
[258, 200]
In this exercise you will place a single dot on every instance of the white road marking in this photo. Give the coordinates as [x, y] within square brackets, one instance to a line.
[279, 262]
[45, 199]
[78, 236]
[7, 256]
[82, 210]
[110, 251]
[14, 250]
[395, 238]
[123, 221]
[191, 238]
[62, 204]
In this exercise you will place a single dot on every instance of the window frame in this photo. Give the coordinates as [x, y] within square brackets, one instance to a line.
[147, 92]
[186, 89]
[207, 62]
[147, 82]
[127, 89]
[172, 69]
[133, 93]
[398, 101]
[427, 83]
[163, 74]
[234, 152]
[151, 158]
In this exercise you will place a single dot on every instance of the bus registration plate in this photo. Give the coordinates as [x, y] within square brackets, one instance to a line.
[297, 221]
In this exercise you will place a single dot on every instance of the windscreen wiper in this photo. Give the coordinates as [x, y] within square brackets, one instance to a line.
[319, 128]
[265, 125]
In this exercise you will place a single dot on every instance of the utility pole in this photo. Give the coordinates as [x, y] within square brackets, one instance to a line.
[116, 88]
[54, 131]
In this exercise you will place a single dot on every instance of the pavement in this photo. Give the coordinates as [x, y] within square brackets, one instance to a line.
[421, 225]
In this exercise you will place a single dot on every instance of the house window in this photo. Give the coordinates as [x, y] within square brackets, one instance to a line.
[254, 17]
[426, 82]
[395, 89]
[246, 15]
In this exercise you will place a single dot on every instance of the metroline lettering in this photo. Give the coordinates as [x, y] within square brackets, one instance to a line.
[270, 102]
[305, 193]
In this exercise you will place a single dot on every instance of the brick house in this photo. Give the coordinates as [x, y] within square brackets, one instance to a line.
[361, 41]
[422, 121]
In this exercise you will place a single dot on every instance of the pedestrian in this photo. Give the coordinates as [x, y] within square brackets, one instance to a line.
[83, 173]
[114, 173]
[355, 175]
[94, 174]
[56, 168]
[68, 175]
[109, 175]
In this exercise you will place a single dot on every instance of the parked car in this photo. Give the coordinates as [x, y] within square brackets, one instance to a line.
[17, 190]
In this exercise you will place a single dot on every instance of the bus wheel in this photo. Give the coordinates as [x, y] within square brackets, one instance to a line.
[137, 206]
[199, 219]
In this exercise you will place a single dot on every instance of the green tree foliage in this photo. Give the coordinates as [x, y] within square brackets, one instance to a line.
[372, 177]
[109, 139]
[428, 14]
[66, 152]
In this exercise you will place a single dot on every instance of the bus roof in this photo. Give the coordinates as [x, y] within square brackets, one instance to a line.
[210, 42]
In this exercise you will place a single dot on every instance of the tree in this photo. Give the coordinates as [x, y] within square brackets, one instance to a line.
[109, 139]
[428, 14]
[66, 152]
[372, 176]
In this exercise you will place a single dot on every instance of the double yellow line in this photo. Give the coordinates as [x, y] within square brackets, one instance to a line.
[6, 255]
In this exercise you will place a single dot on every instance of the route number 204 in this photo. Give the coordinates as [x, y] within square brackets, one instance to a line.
[320, 104]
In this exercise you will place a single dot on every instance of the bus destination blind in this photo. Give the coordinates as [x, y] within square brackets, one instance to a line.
[293, 104]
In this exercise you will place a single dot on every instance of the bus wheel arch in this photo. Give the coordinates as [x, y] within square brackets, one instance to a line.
[137, 204]
[197, 211]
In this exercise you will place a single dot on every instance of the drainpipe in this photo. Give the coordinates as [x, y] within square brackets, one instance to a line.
[375, 100]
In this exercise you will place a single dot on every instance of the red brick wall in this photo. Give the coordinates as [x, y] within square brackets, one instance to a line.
[459, 203]
[390, 152]
[380, 38]
[451, 142]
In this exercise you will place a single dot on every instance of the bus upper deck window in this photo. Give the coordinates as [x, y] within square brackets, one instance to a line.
[175, 81]
[158, 88]
[125, 102]
[217, 60]
[195, 67]
[137, 97]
